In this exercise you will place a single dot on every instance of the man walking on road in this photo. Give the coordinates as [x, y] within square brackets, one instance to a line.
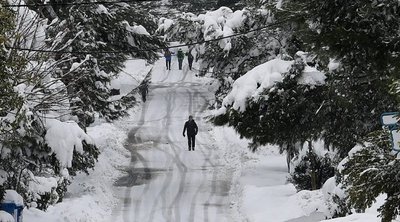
[191, 128]
[180, 58]
[190, 59]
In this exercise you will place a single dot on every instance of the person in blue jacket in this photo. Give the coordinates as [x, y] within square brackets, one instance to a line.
[168, 55]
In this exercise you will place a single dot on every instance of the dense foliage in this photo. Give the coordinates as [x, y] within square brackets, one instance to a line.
[90, 34]
[355, 43]
[371, 171]
[56, 63]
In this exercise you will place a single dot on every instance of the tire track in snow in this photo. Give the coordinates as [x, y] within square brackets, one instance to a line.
[182, 168]
[168, 177]
[206, 158]
[135, 157]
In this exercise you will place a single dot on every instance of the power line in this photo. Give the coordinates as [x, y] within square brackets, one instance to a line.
[77, 3]
[150, 49]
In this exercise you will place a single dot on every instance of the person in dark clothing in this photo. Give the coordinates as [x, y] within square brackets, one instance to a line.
[168, 55]
[144, 90]
[190, 59]
[180, 56]
[191, 128]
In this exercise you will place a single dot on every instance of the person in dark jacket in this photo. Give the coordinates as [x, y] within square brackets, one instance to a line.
[168, 55]
[180, 56]
[190, 59]
[191, 128]
[144, 90]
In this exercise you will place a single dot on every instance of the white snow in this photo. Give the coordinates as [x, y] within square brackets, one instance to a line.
[130, 76]
[268, 197]
[11, 196]
[259, 190]
[311, 76]
[101, 9]
[63, 138]
[139, 29]
[164, 24]
[333, 65]
[6, 217]
[264, 75]
[41, 185]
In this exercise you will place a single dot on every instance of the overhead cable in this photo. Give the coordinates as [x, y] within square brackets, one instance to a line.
[150, 49]
[77, 3]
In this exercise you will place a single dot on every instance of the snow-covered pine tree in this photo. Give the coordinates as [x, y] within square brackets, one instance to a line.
[287, 114]
[30, 132]
[88, 35]
[364, 45]
[6, 89]
[370, 171]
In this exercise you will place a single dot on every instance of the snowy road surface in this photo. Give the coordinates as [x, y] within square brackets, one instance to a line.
[165, 181]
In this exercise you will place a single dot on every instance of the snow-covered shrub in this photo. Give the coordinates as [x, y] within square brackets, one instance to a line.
[371, 170]
[308, 162]
[335, 198]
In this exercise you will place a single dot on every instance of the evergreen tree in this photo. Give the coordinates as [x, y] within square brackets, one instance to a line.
[311, 170]
[372, 171]
[28, 95]
[91, 33]
[361, 36]
[287, 115]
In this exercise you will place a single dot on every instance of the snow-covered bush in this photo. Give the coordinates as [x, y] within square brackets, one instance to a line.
[371, 170]
[335, 198]
[316, 161]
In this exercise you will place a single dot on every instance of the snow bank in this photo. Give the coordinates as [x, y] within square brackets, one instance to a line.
[63, 138]
[370, 215]
[80, 209]
[280, 203]
[6, 217]
[90, 198]
[254, 82]
[11, 196]
[268, 197]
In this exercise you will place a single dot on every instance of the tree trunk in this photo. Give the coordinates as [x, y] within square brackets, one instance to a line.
[313, 173]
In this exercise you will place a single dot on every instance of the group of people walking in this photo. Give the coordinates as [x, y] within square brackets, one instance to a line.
[168, 57]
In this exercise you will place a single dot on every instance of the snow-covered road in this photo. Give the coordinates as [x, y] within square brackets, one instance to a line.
[165, 181]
